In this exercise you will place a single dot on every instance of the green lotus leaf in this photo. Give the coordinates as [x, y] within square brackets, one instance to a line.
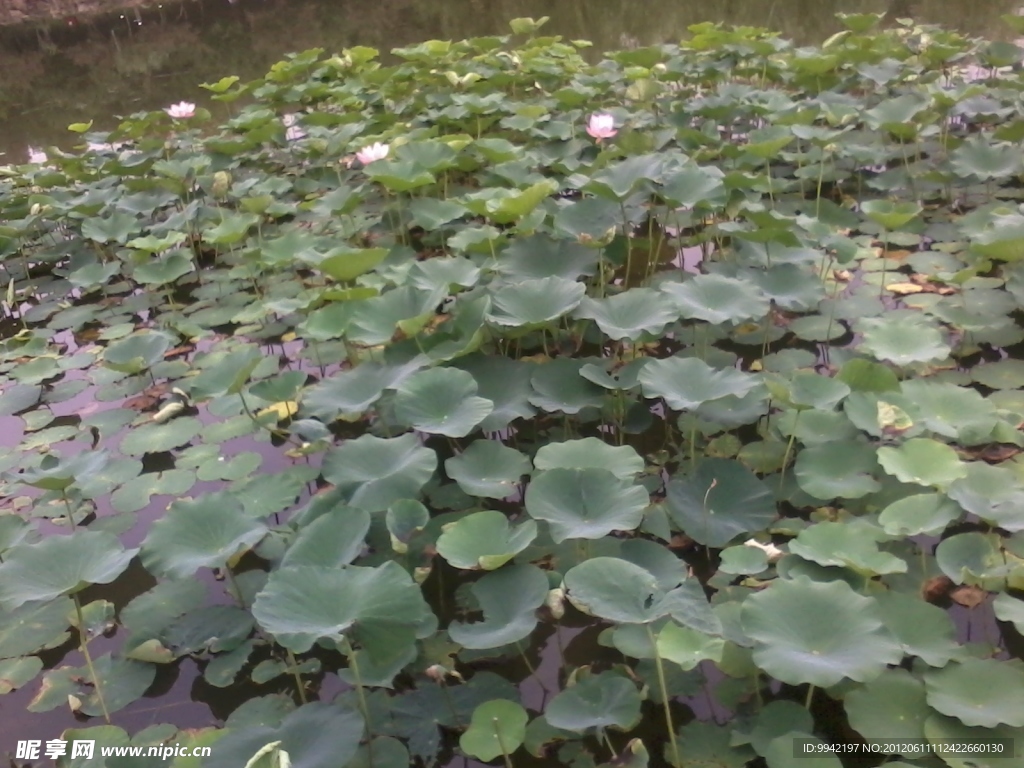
[958, 413]
[780, 751]
[941, 730]
[777, 718]
[156, 438]
[718, 299]
[233, 227]
[977, 156]
[924, 630]
[922, 461]
[535, 302]
[487, 468]
[695, 186]
[57, 474]
[225, 374]
[590, 453]
[585, 503]
[850, 544]
[165, 268]
[993, 493]
[708, 744]
[34, 626]
[979, 692]
[841, 469]
[506, 383]
[497, 728]
[433, 214]
[687, 647]
[927, 513]
[596, 701]
[316, 735]
[406, 309]
[903, 337]
[137, 352]
[721, 500]
[15, 673]
[809, 390]
[630, 314]
[686, 383]
[974, 558]
[354, 390]
[620, 179]
[404, 519]
[818, 633]
[1002, 374]
[441, 401]
[509, 599]
[333, 539]
[505, 206]
[1009, 609]
[206, 533]
[301, 605]
[484, 540]
[559, 386]
[889, 214]
[862, 375]
[346, 264]
[373, 473]
[60, 565]
[116, 228]
[539, 256]
[890, 707]
[401, 176]
[122, 681]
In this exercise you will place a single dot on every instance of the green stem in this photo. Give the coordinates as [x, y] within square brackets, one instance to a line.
[810, 696]
[608, 743]
[789, 448]
[353, 664]
[501, 743]
[83, 643]
[676, 761]
[298, 678]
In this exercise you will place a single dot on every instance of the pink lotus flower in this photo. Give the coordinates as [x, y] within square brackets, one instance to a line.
[601, 126]
[181, 110]
[372, 153]
[37, 156]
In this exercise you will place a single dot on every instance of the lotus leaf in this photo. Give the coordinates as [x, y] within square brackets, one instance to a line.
[484, 540]
[596, 701]
[509, 599]
[498, 727]
[818, 633]
[978, 692]
[441, 401]
[60, 565]
[302, 605]
[487, 468]
[686, 383]
[375, 472]
[585, 503]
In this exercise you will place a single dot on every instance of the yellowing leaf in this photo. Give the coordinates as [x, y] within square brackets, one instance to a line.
[284, 409]
[902, 289]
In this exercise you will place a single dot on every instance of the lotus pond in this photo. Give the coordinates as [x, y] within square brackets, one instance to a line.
[660, 411]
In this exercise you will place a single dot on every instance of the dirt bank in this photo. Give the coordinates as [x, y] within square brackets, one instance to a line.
[13, 12]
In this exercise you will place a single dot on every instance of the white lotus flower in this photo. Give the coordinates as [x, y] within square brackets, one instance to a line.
[372, 153]
[181, 110]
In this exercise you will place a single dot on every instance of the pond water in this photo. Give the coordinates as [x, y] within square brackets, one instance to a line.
[80, 69]
[94, 69]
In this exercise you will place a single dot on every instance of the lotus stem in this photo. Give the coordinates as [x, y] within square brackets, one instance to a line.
[83, 643]
[501, 743]
[67, 505]
[608, 743]
[789, 449]
[298, 678]
[676, 761]
[353, 664]
[810, 697]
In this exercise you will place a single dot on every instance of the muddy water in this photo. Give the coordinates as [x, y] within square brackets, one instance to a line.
[77, 68]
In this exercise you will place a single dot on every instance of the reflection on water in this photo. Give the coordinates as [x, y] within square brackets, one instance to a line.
[75, 70]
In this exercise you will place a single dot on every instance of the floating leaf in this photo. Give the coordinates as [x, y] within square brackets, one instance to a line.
[375, 472]
[585, 503]
[509, 599]
[441, 401]
[497, 728]
[484, 540]
[596, 701]
[979, 692]
[686, 383]
[487, 468]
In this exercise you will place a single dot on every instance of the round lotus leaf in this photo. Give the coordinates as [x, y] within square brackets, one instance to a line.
[404, 519]
[34, 626]
[842, 469]
[958, 413]
[373, 472]
[922, 461]
[539, 256]
[850, 544]
[487, 468]
[973, 558]
[559, 386]
[509, 599]
[122, 681]
[630, 314]
[903, 337]
[225, 372]
[780, 752]
[15, 673]
[808, 389]
[585, 503]
[743, 560]
[1003, 374]
[60, 565]
[503, 381]
[1009, 609]
[316, 735]
[596, 701]
[136, 493]
[924, 630]
[718, 299]
[993, 493]
[686, 383]
[303, 604]
[862, 375]
[205, 533]
[818, 633]
[709, 744]
[721, 500]
[57, 474]
[687, 647]
[333, 539]
[156, 438]
[927, 513]
[777, 718]
[890, 707]
[616, 590]
[978, 742]
[497, 728]
[354, 390]
[979, 692]
[888, 213]
[138, 352]
[535, 302]
[441, 401]
[590, 453]
[484, 540]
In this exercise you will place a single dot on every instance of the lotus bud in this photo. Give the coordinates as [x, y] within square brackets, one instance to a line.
[35, 209]
[556, 602]
[221, 184]
[660, 68]
[773, 552]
